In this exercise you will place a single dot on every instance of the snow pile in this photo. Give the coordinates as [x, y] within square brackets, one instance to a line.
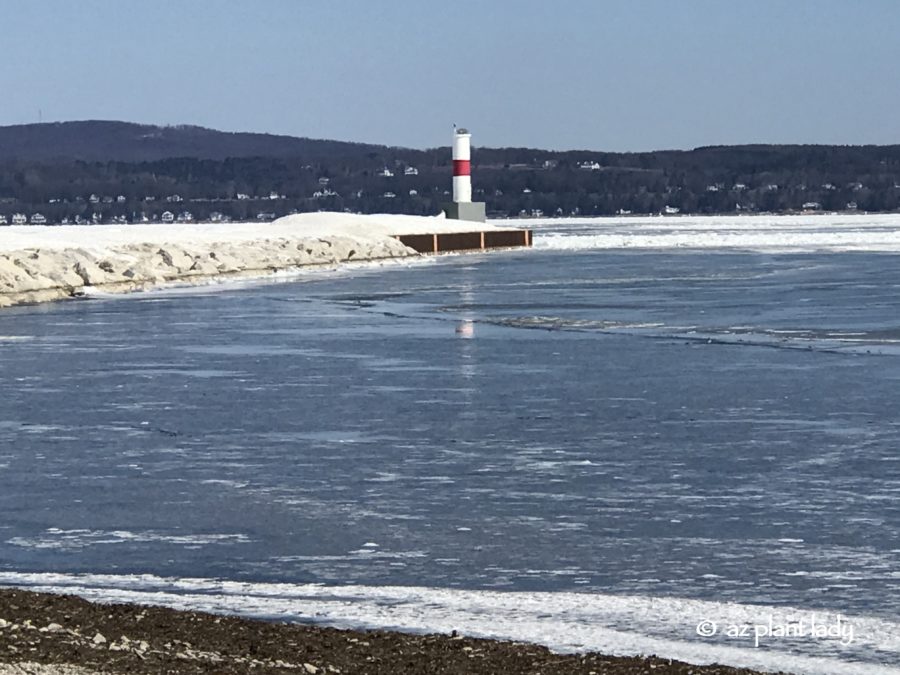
[49, 263]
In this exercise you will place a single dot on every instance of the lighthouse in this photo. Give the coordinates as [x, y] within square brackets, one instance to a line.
[462, 207]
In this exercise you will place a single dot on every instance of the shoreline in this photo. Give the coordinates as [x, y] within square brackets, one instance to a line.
[56, 634]
[43, 264]
[43, 274]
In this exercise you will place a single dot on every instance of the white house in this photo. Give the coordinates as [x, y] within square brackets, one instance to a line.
[168, 217]
[386, 173]
[410, 171]
[671, 210]
[388, 195]
[38, 219]
[185, 217]
[3, 220]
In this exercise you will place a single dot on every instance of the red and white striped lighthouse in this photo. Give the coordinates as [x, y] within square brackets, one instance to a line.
[462, 166]
[462, 207]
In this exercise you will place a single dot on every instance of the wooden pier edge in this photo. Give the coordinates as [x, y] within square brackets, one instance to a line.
[476, 240]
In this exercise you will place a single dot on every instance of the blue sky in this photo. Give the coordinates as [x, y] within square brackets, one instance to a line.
[597, 74]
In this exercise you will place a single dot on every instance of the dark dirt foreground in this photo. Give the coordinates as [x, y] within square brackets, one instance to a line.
[37, 628]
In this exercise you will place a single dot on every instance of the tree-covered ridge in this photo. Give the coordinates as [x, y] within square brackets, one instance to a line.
[269, 176]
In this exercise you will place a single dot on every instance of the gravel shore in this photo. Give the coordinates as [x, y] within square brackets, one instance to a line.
[44, 634]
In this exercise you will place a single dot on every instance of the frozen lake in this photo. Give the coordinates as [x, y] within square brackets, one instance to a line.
[594, 448]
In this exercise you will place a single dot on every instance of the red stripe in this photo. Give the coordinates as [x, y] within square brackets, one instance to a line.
[462, 167]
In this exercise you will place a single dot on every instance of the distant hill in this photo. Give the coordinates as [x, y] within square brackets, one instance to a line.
[99, 171]
[126, 142]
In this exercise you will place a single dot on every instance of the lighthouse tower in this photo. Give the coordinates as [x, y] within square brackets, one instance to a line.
[462, 207]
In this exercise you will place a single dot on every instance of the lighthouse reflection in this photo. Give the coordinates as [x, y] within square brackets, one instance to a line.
[465, 328]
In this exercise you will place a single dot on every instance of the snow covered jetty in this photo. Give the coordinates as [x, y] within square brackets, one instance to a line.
[49, 263]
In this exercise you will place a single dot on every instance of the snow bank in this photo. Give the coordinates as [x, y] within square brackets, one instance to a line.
[767, 233]
[49, 263]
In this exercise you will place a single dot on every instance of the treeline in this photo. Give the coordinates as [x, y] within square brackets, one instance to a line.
[513, 182]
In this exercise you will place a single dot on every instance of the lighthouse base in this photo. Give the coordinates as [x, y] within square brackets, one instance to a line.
[471, 211]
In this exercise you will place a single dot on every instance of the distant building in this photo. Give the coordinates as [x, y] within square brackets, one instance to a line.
[388, 195]
[3, 220]
[216, 217]
[413, 193]
[242, 196]
[168, 217]
[94, 199]
[174, 198]
[386, 173]
[811, 206]
[410, 171]
[121, 199]
[275, 195]
[671, 210]
[589, 166]
[265, 215]
[324, 181]
[38, 219]
[185, 217]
